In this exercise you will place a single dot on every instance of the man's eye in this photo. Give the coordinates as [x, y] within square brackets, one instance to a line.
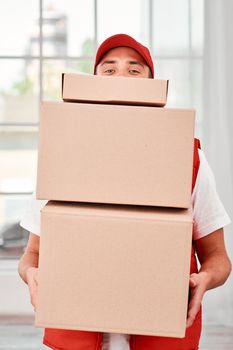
[134, 71]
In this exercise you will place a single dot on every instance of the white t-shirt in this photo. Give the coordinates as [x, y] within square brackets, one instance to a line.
[209, 215]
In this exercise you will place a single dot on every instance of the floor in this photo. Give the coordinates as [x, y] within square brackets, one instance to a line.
[20, 334]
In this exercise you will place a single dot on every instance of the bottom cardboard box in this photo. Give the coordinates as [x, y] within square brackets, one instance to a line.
[114, 268]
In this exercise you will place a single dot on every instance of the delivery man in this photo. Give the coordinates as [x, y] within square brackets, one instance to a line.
[121, 55]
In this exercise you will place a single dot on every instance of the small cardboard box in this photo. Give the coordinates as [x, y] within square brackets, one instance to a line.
[115, 154]
[114, 90]
[114, 268]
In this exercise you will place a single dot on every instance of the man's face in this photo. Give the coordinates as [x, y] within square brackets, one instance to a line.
[124, 62]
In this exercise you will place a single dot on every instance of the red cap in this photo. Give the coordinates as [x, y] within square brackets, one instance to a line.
[118, 40]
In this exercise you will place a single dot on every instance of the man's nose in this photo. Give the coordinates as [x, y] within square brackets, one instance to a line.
[121, 73]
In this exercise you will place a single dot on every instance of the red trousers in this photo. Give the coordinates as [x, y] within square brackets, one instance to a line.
[59, 339]
[82, 340]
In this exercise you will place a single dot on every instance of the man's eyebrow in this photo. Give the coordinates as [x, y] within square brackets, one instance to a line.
[136, 62]
[114, 61]
[107, 61]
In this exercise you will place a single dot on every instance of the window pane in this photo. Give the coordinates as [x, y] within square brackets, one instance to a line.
[52, 71]
[18, 159]
[127, 17]
[18, 138]
[18, 163]
[170, 27]
[19, 91]
[19, 27]
[178, 74]
[197, 88]
[197, 8]
[13, 237]
[68, 28]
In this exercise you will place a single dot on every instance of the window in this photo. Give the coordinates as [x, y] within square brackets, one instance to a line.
[47, 37]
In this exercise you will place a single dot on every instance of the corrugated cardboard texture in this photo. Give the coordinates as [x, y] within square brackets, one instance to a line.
[121, 90]
[114, 268]
[115, 154]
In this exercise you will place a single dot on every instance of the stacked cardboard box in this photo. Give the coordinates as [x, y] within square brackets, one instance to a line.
[116, 233]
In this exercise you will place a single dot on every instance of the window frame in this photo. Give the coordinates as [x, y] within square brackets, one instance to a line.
[41, 58]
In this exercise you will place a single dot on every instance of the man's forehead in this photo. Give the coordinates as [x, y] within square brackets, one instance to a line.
[122, 53]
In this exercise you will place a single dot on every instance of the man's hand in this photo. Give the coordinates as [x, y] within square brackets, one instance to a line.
[198, 285]
[215, 269]
[32, 281]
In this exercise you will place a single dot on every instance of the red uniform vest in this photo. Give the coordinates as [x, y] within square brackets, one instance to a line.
[59, 339]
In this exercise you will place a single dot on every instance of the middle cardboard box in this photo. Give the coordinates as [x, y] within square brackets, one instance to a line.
[115, 154]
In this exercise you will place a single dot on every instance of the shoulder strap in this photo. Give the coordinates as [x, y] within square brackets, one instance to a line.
[196, 161]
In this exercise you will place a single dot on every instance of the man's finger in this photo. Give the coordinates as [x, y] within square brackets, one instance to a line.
[192, 282]
[189, 321]
[36, 277]
[192, 315]
[194, 305]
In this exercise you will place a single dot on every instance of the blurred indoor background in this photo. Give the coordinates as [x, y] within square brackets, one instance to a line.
[192, 47]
